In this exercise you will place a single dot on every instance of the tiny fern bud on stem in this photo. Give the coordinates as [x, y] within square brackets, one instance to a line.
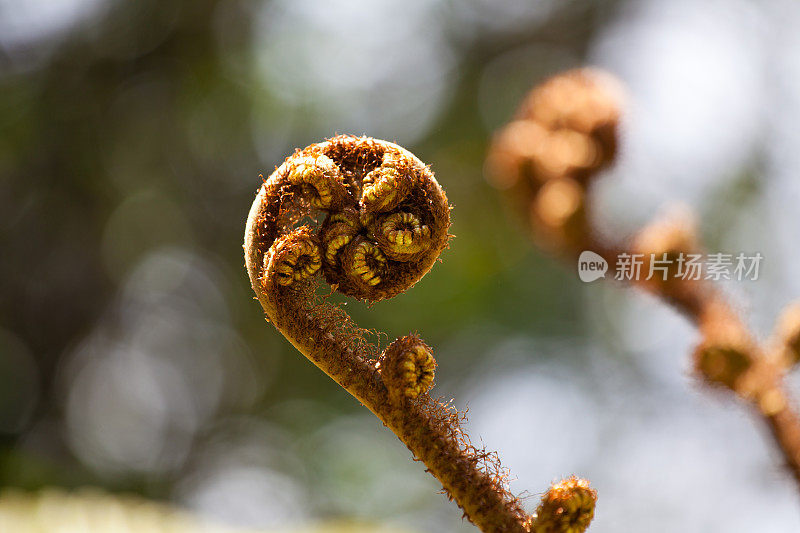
[568, 507]
[369, 218]
[407, 367]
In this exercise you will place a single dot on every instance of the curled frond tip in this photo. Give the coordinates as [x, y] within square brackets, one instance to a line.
[378, 219]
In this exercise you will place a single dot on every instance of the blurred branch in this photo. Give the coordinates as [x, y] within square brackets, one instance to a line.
[546, 159]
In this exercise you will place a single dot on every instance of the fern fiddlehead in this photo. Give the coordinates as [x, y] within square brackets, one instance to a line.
[370, 218]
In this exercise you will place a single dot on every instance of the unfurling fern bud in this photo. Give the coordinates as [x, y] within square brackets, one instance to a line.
[368, 218]
[407, 367]
[564, 133]
[568, 507]
[385, 217]
[566, 127]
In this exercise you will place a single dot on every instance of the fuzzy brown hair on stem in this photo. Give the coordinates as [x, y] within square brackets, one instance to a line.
[370, 219]
[546, 160]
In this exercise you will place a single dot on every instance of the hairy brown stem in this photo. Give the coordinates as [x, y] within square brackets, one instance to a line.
[564, 134]
[385, 223]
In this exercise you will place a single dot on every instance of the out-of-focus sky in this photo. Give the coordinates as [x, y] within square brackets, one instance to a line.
[132, 356]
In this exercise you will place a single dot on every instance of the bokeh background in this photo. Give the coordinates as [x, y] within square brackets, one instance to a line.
[133, 357]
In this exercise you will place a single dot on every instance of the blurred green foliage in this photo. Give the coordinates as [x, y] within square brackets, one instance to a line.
[137, 135]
